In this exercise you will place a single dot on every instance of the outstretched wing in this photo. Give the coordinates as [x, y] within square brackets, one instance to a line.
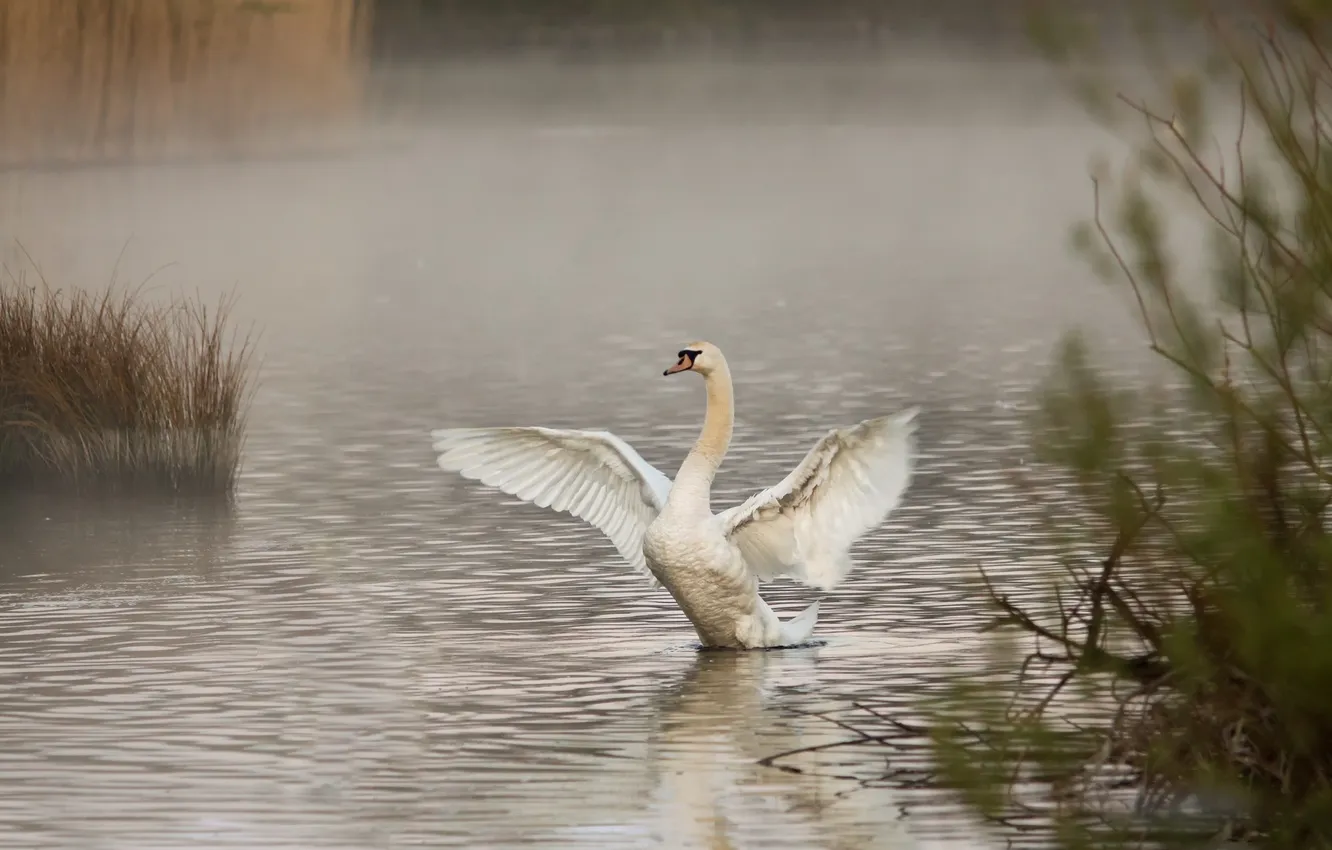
[593, 475]
[848, 483]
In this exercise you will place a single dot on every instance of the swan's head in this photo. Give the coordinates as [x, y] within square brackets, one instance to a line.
[700, 357]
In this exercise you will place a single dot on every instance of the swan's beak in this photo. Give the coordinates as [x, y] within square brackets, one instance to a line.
[684, 365]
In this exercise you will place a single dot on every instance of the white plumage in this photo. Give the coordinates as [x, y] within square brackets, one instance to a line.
[802, 528]
[593, 475]
[849, 482]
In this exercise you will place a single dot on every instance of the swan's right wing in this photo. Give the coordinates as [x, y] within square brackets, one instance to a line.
[847, 484]
[593, 475]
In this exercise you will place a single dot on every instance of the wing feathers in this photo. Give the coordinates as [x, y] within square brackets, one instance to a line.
[592, 475]
[803, 527]
[847, 484]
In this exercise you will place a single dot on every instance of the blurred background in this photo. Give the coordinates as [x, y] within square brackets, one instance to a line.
[112, 81]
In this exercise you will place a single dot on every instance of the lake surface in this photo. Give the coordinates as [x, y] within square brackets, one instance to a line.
[369, 653]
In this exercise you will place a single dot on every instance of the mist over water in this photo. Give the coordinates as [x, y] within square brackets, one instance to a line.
[366, 652]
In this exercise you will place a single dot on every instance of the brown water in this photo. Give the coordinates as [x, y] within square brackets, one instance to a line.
[368, 653]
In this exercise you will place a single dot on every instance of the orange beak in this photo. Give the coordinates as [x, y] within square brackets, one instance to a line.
[684, 365]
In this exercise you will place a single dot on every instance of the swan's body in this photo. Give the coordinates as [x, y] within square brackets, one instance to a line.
[802, 528]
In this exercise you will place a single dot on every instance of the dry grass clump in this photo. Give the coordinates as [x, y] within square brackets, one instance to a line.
[110, 391]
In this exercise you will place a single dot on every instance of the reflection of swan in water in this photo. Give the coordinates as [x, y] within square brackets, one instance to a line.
[713, 728]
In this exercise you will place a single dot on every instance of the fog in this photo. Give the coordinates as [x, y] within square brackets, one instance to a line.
[633, 199]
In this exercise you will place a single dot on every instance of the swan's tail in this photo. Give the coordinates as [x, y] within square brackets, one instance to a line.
[801, 626]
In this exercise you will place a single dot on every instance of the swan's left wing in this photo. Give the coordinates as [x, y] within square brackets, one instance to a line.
[849, 482]
[593, 475]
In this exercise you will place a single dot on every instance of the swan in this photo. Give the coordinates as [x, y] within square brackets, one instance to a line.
[802, 528]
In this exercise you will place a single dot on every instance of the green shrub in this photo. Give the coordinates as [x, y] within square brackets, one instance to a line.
[1192, 658]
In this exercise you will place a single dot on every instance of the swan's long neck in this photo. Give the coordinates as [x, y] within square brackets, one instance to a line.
[693, 483]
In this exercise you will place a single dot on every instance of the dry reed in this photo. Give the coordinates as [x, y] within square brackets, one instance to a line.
[85, 81]
[108, 391]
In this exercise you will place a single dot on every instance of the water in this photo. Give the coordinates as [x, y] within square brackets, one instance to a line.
[369, 653]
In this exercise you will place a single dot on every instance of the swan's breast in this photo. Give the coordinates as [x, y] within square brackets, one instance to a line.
[706, 575]
[673, 543]
[664, 542]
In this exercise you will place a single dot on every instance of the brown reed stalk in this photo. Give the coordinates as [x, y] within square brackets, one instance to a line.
[110, 390]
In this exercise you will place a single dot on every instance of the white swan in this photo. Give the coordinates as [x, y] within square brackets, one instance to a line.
[802, 528]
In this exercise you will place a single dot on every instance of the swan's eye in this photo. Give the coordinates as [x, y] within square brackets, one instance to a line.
[688, 354]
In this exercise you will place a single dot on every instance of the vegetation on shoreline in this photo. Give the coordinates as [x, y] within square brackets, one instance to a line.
[1196, 644]
[109, 391]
